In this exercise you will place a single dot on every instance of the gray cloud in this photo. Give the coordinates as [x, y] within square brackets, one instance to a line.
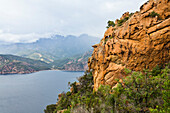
[28, 20]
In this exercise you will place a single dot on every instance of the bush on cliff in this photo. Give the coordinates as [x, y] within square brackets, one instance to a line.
[120, 22]
[131, 14]
[153, 14]
[110, 23]
[50, 108]
[146, 91]
[142, 91]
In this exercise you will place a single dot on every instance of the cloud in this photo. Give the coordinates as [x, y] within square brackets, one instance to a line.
[24, 38]
[31, 18]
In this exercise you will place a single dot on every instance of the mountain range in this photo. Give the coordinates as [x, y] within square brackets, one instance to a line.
[69, 53]
[53, 48]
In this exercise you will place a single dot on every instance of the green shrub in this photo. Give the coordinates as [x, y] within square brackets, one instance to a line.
[105, 41]
[110, 23]
[143, 92]
[50, 108]
[67, 111]
[153, 14]
[120, 22]
[140, 92]
[131, 14]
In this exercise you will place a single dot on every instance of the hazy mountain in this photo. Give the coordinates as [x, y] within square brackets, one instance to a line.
[53, 48]
[76, 63]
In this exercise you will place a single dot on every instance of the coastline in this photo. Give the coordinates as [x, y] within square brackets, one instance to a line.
[38, 71]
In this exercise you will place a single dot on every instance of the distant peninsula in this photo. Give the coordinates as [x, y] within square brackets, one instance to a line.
[10, 64]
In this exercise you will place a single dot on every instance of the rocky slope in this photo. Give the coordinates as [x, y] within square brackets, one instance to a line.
[10, 64]
[143, 41]
[76, 63]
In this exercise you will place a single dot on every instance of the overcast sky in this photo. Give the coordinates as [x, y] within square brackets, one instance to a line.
[28, 20]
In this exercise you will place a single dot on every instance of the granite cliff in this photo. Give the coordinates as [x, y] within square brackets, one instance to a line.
[137, 41]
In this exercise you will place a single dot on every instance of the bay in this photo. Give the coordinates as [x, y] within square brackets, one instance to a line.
[31, 93]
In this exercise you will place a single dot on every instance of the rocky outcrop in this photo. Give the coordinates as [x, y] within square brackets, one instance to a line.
[143, 41]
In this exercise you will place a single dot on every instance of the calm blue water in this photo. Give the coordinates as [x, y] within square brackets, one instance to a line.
[30, 93]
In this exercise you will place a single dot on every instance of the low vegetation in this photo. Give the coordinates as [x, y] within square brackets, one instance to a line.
[131, 14]
[120, 22]
[153, 14]
[110, 23]
[140, 92]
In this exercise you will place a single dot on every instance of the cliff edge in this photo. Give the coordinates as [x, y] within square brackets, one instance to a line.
[137, 41]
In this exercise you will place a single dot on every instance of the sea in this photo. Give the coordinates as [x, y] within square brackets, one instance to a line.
[31, 93]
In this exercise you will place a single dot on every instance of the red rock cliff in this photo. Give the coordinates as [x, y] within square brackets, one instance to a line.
[143, 41]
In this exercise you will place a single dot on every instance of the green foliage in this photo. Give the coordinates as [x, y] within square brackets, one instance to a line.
[131, 14]
[140, 92]
[143, 92]
[67, 111]
[110, 23]
[105, 41]
[120, 22]
[156, 70]
[166, 92]
[165, 74]
[153, 14]
[127, 71]
[50, 108]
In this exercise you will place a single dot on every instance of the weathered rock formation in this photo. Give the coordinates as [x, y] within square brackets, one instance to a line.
[143, 41]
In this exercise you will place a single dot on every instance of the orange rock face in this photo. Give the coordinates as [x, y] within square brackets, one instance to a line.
[143, 41]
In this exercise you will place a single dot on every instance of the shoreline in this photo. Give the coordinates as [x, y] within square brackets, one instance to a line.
[38, 71]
